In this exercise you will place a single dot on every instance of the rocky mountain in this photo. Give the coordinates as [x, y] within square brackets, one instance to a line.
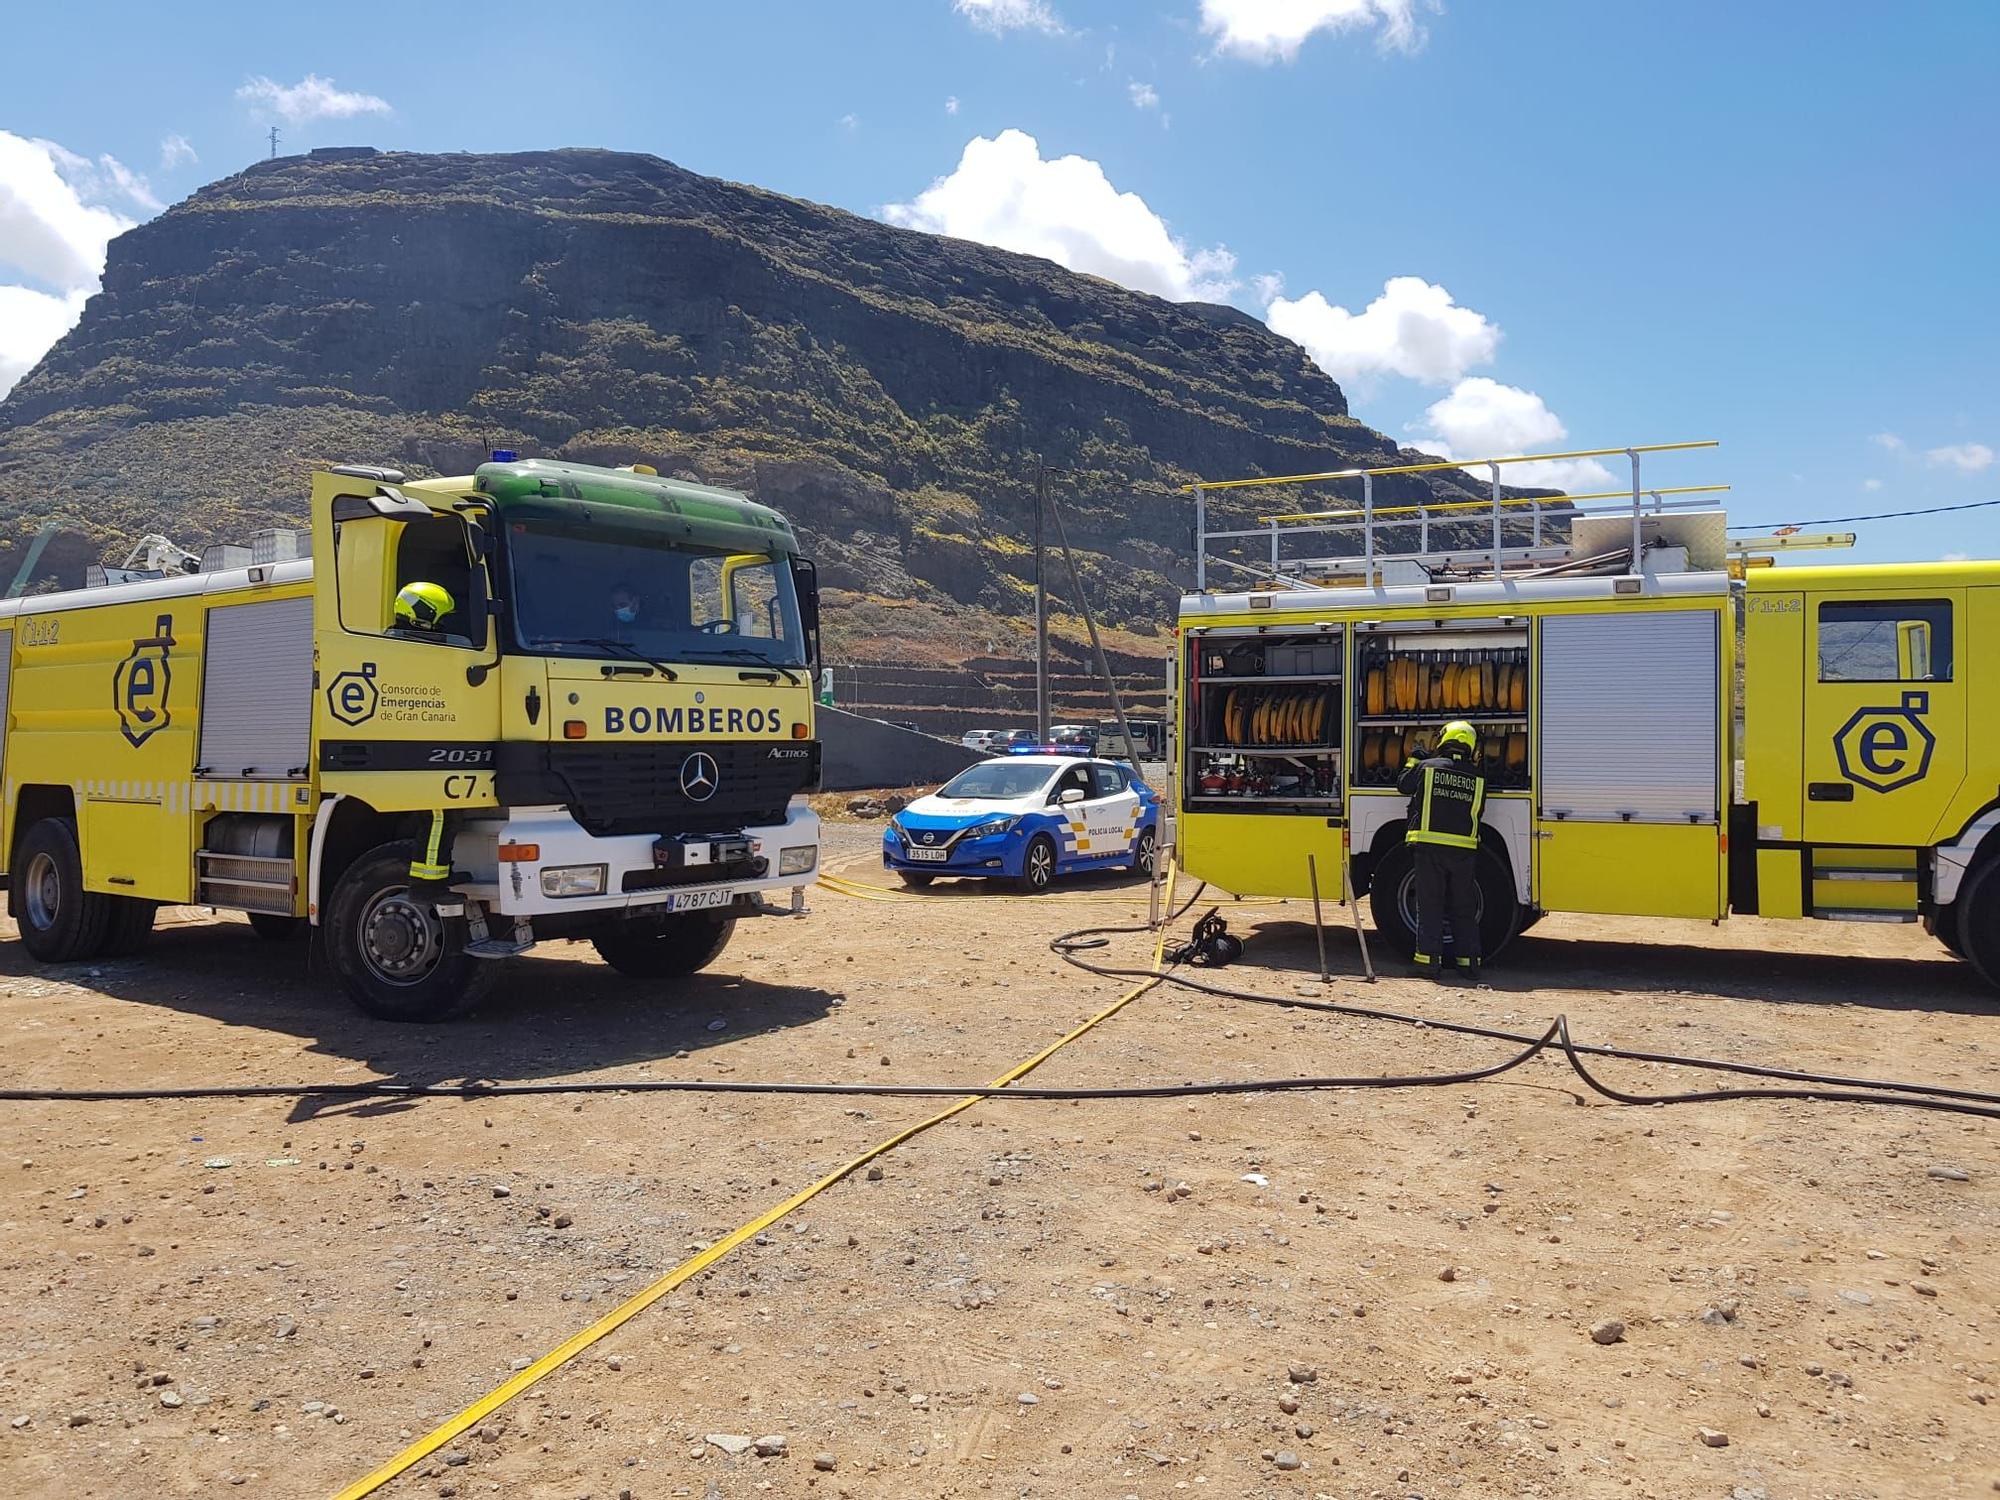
[891, 391]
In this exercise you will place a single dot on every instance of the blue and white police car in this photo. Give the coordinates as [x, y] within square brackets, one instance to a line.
[1028, 819]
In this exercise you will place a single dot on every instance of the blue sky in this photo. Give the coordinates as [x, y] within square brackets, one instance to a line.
[1503, 227]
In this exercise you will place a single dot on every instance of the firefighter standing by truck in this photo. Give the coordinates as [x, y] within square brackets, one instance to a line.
[1446, 794]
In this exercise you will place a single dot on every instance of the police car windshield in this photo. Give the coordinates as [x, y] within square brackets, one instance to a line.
[604, 592]
[999, 779]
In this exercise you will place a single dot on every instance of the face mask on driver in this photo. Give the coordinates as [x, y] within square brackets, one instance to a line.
[626, 613]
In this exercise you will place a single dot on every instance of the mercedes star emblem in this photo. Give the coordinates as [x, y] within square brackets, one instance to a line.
[699, 777]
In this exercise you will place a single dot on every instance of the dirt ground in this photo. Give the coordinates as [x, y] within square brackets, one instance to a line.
[1392, 1291]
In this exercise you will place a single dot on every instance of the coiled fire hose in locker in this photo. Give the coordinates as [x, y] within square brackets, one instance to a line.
[1556, 1037]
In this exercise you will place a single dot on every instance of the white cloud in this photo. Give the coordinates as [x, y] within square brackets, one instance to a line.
[1268, 31]
[1871, 484]
[1269, 286]
[1004, 193]
[1887, 440]
[175, 151]
[48, 232]
[30, 323]
[1413, 329]
[1967, 458]
[1956, 557]
[951, 105]
[311, 98]
[1482, 418]
[1002, 16]
[1144, 95]
[53, 234]
[850, 121]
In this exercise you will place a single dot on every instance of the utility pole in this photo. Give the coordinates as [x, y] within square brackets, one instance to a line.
[1041, 610]
[274, 143]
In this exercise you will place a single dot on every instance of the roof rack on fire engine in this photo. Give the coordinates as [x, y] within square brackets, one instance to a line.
[1520, 540]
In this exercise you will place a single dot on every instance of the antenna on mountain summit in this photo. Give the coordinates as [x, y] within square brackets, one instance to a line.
[274, 143]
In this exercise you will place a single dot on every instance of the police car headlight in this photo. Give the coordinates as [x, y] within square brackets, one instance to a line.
[799, 860]
[991, 827]
[573, 880]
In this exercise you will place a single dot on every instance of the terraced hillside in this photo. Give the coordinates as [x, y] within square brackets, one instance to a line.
[892, 391]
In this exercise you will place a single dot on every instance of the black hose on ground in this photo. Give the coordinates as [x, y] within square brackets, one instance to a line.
[1557, 1037]
[1833, 1087]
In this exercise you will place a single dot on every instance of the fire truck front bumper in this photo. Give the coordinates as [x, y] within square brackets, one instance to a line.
[538, 862]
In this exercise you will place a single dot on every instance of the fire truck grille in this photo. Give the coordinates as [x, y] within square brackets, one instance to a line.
[663, 788]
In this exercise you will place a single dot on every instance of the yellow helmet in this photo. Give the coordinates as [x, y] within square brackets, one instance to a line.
[1459, 733]
[423, 605]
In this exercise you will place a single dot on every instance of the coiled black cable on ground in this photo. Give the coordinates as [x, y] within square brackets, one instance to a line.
[1832, 1087]
[1557, 1037]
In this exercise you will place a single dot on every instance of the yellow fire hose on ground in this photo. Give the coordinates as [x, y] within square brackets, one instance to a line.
[563, 1353]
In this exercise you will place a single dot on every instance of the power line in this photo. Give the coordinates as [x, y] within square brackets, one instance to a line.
[1887, 515]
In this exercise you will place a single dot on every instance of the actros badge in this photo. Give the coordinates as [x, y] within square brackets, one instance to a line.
[1886, 748]
[142, 683]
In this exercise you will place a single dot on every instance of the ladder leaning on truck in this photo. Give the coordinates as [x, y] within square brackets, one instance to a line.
[605, 733]
[1854, 775]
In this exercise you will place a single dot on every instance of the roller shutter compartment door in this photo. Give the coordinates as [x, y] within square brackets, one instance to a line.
[256, 699]
[1629, 790]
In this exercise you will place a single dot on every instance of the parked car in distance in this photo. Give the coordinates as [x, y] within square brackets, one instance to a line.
[1019, 737]
[1073, 737]
[988, 740]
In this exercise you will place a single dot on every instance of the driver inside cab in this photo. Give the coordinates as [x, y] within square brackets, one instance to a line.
[420, 610]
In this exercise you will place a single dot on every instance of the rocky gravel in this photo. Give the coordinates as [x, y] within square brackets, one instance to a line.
[1356, 1295]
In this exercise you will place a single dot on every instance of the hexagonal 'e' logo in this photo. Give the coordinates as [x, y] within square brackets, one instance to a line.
[1886, 748]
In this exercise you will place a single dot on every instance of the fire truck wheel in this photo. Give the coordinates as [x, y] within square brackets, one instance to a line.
[1977, 920]
[1038, 866]
[916, 880]
[1392, 901]
[273, 928]
[59, 920]
[684, 946]
[396, 957]
[129, 925]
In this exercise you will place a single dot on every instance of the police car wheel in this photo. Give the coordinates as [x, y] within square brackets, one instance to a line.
[1038, 865]
[59, 920]
[915, 879]
[397, 960]
[685, 945]
[1145, 853]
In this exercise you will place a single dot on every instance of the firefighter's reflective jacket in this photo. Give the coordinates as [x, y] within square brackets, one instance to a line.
[1446, 798]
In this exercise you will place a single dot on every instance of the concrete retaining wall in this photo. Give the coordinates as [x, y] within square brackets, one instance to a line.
[860, 754]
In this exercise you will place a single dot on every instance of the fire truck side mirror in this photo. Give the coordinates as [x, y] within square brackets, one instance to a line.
[388, 503]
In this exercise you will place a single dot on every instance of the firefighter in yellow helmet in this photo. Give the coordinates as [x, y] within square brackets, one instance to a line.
[1446, 794]
[421, 608]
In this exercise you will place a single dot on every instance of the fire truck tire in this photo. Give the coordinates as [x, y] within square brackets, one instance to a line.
[128, 927]
[395, 957]
[1392, 901]
[686, 945]
[273, 928]
[59, 920]
[1975, 921]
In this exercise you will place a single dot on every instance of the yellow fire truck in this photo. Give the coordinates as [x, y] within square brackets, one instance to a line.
[1633, 766]
[604, 731]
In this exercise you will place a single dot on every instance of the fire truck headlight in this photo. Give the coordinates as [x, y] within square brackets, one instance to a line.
[797, 861]
[573, 880]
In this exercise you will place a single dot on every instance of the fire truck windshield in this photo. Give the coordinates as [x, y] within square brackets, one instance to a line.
[606, 592]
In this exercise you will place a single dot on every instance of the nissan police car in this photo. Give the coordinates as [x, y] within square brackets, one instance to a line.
[1028, 819]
